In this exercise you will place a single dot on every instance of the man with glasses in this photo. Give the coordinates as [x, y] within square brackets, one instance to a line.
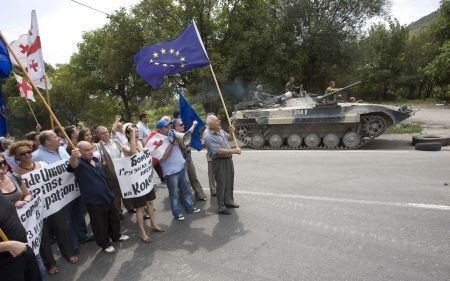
[186, 151]
[174, 169]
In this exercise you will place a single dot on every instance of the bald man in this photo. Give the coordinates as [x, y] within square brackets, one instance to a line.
[97, 195]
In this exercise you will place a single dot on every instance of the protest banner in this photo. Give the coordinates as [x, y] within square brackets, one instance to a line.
[31, 217]
[135, 174]
[54, 184]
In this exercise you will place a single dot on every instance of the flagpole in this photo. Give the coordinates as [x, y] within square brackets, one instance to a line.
[223, 103]
[37, 91]
[49, 103]
[3, 236]
[32, 112]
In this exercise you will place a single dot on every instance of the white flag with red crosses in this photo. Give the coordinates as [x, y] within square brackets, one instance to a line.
[29, 52]
[157, 144]
[26, 91]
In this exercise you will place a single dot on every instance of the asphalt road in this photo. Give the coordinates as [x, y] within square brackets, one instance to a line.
[372, 214]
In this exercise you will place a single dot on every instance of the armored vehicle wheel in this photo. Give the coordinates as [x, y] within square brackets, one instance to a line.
[374, 125]
[275, 141]
[351, 140]
[312, 140]
[331, 140]
[294, 141]
[241, 132]
[258, 141]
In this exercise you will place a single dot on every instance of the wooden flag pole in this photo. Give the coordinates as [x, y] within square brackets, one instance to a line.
[38, 92]
[3, 236]
[32, 112]
[49, 103]
[223, 103]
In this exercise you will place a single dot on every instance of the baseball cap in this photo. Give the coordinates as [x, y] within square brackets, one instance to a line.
[162, 123]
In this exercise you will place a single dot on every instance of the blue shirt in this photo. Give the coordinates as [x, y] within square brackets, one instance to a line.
[174, 163]
[94, 187]
[215, 141]
[49, 157]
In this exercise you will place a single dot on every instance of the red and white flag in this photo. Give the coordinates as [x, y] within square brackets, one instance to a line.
[29, 52]
[157, 144]
[26, 91]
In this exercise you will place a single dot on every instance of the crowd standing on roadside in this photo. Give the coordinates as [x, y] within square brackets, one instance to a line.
[91, 161]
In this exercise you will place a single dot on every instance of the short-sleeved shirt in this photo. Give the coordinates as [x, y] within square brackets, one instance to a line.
[94, 187]
[143, 131]
[49, 157]
[174, 163]
[216, 141]
[11, 226]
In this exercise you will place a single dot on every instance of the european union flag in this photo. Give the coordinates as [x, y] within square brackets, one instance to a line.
[3, 129]
[181, 54]
[188, 115]
[5, 61]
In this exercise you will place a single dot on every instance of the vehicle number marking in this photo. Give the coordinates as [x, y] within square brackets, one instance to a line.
[300, 112]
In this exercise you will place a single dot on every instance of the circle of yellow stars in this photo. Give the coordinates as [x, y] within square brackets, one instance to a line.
[163, 51]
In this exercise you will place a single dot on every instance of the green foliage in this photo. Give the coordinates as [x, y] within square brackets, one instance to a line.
[405, 128]
[249, 42]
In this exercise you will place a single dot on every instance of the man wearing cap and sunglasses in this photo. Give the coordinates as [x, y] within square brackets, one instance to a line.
[174, 169]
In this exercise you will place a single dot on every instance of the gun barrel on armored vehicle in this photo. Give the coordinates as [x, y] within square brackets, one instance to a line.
[278, 99]
[338, 91]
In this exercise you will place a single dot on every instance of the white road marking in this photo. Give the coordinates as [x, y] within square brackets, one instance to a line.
[346, 200]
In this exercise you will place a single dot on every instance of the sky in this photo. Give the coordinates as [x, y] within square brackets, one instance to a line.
[62, 22]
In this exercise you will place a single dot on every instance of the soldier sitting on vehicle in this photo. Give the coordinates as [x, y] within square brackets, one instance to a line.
[259, 96]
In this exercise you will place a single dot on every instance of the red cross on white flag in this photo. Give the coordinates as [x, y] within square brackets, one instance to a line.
[29, 52]
[26, 91]
[157, 144]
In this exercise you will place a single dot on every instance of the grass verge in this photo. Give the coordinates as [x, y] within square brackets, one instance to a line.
[405, 128]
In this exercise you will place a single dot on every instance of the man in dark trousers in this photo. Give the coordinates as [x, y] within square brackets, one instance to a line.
[17, 260]
[219, 149]
[97, 195]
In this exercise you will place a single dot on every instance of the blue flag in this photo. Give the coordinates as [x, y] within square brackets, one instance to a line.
[5, 61]
[181, 54]
[3, 129]
[188, 115]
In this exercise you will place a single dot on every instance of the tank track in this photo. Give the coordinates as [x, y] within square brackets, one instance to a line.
[249, 126]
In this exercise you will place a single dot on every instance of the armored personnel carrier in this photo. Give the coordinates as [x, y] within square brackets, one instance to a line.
[307, 121]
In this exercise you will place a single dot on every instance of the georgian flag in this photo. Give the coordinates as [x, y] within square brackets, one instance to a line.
[26, 91]
[29, 52]
[157, 144]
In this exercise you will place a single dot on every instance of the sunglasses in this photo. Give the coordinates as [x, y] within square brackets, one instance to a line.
[25, 153]
[181, 125]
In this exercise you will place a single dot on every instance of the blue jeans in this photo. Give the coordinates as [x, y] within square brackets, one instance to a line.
[179, 182]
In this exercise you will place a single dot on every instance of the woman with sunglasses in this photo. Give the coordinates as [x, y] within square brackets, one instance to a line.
[22, 150]
[133, 146]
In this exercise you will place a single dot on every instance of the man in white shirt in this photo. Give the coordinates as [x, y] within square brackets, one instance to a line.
[143, 129]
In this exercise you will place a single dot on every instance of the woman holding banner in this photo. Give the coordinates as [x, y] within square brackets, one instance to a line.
[133, 146]
[15, 191]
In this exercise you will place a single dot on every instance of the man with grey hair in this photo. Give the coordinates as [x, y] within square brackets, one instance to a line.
[97, 195]
[220, 151]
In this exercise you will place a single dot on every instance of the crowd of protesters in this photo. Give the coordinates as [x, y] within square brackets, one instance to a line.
[91, 161]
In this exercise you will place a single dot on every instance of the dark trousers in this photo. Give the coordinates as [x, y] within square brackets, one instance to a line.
[45, 249]
[21, 268]
[105, 224]
[224, 174]
[159, 171]
[193, 180]
[59, 224]
[78, 230]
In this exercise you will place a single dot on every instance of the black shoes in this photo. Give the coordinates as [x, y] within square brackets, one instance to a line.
[232, 205]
